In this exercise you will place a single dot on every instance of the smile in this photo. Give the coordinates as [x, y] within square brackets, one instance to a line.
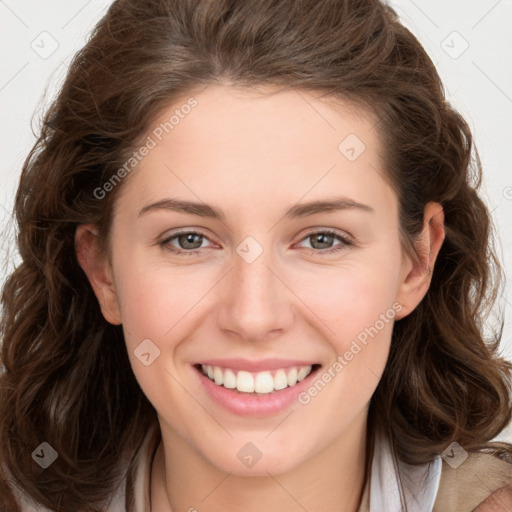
[259, 383]
[254, 388]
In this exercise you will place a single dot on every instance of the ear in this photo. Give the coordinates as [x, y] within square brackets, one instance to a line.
[97, 267]
[417, 274]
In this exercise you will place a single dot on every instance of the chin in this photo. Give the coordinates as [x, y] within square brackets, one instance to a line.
[248, 461]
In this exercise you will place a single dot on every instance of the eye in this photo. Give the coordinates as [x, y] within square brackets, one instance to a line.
[188, 242]
[321, 241]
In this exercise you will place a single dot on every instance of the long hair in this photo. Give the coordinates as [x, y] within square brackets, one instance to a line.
[66, 376]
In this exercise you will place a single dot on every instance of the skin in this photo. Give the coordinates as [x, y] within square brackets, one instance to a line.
[253, 154]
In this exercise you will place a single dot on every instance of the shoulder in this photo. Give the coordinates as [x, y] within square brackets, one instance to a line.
[498, 501]
[481, 483]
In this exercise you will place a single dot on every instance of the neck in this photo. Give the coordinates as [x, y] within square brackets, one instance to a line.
[332, 479]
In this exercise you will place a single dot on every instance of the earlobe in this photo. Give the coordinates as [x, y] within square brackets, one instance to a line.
[418, 274]
[98, 270]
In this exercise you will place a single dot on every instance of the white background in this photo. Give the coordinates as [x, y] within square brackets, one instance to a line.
[39, 38]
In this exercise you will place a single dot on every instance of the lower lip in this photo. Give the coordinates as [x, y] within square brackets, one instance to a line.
[247, 404]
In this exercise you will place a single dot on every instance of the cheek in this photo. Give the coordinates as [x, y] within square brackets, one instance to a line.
[156, 305]
[358, 316]
[353, 299]
[357, 307]
[156, 301]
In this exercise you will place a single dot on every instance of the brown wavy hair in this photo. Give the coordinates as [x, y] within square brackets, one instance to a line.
[66, 375]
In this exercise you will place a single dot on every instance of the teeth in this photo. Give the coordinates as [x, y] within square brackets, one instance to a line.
[280, 380]
[261, 382]
[292, 377]
[245, 382]
[229, 379]
[218, 376]
[303, 373]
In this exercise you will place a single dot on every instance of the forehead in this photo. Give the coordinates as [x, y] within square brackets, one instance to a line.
[259, 143]
[235, 113]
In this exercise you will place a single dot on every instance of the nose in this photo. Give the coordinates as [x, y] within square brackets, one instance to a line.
[256, 303]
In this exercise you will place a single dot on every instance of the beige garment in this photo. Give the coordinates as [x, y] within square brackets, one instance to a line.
[464, 488]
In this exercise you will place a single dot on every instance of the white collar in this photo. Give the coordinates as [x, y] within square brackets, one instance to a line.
[420, 483]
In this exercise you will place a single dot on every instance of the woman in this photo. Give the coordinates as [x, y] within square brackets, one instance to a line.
[255, 273]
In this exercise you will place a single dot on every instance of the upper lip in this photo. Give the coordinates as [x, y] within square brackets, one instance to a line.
[256, 366]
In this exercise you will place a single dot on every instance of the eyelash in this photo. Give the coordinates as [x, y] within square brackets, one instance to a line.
[165, 244]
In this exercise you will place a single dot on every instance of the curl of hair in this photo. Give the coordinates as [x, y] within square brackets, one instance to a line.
[66, 375]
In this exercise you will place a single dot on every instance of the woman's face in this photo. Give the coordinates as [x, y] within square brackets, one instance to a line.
[271, 283]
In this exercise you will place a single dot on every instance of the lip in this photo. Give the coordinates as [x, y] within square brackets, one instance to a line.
[256, 366]
[249, 405]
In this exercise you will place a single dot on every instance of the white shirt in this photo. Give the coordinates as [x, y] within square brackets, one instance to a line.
[420, 483]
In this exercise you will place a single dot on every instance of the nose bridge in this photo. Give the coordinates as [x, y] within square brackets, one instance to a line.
[255, 300]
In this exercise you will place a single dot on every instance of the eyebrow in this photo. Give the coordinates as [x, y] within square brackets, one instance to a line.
[297, 210]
